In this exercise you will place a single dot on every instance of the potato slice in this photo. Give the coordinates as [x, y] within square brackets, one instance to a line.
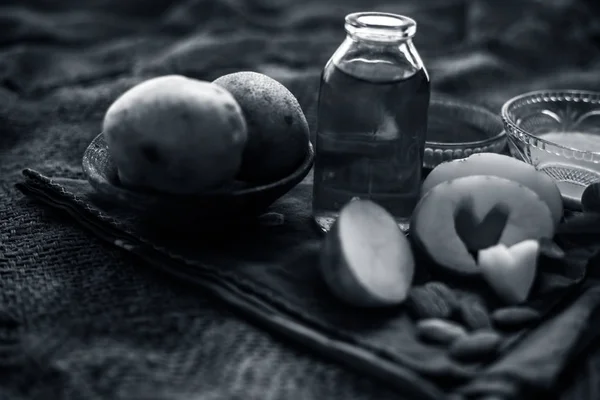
[458, 218]
[366, 260]
[502, 166]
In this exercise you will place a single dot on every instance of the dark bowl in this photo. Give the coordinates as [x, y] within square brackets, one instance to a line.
[238, 202]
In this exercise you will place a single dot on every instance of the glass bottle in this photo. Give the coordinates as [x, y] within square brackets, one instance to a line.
[372, 119]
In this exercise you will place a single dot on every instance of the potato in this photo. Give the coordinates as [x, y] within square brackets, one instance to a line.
[278, 132]
[366, 260]
[175, 134]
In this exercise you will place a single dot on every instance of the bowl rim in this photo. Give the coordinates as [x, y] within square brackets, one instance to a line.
[446, 101]
[302, 170]
[548, 92]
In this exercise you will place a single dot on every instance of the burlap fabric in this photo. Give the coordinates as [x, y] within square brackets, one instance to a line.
[81, 319]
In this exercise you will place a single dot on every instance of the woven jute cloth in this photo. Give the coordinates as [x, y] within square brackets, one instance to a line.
[82, 319]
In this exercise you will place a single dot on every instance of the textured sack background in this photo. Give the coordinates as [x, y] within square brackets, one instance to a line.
[81, 320]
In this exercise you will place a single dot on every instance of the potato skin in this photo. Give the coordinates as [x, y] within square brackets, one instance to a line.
[278, 132]
[175, 134]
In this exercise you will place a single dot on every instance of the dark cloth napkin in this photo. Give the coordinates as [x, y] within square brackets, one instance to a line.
[269, 271]
[81, 319]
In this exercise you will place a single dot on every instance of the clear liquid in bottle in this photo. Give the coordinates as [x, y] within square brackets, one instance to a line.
[371, 132]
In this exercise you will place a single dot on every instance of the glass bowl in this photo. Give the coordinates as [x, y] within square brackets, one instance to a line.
[456, 129]
[558, 132]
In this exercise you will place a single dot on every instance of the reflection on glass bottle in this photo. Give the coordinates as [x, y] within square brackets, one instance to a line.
[372, 119]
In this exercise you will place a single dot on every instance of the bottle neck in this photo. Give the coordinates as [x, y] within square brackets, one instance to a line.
[392, 61]
[379, 28]
[378, 46]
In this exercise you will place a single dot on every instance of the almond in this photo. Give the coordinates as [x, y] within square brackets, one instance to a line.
[439, 331]
[515, 317]
[474, 314]
[476, 346]
[425, 303]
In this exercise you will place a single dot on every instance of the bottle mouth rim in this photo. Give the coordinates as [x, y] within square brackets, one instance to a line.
[393, 26]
